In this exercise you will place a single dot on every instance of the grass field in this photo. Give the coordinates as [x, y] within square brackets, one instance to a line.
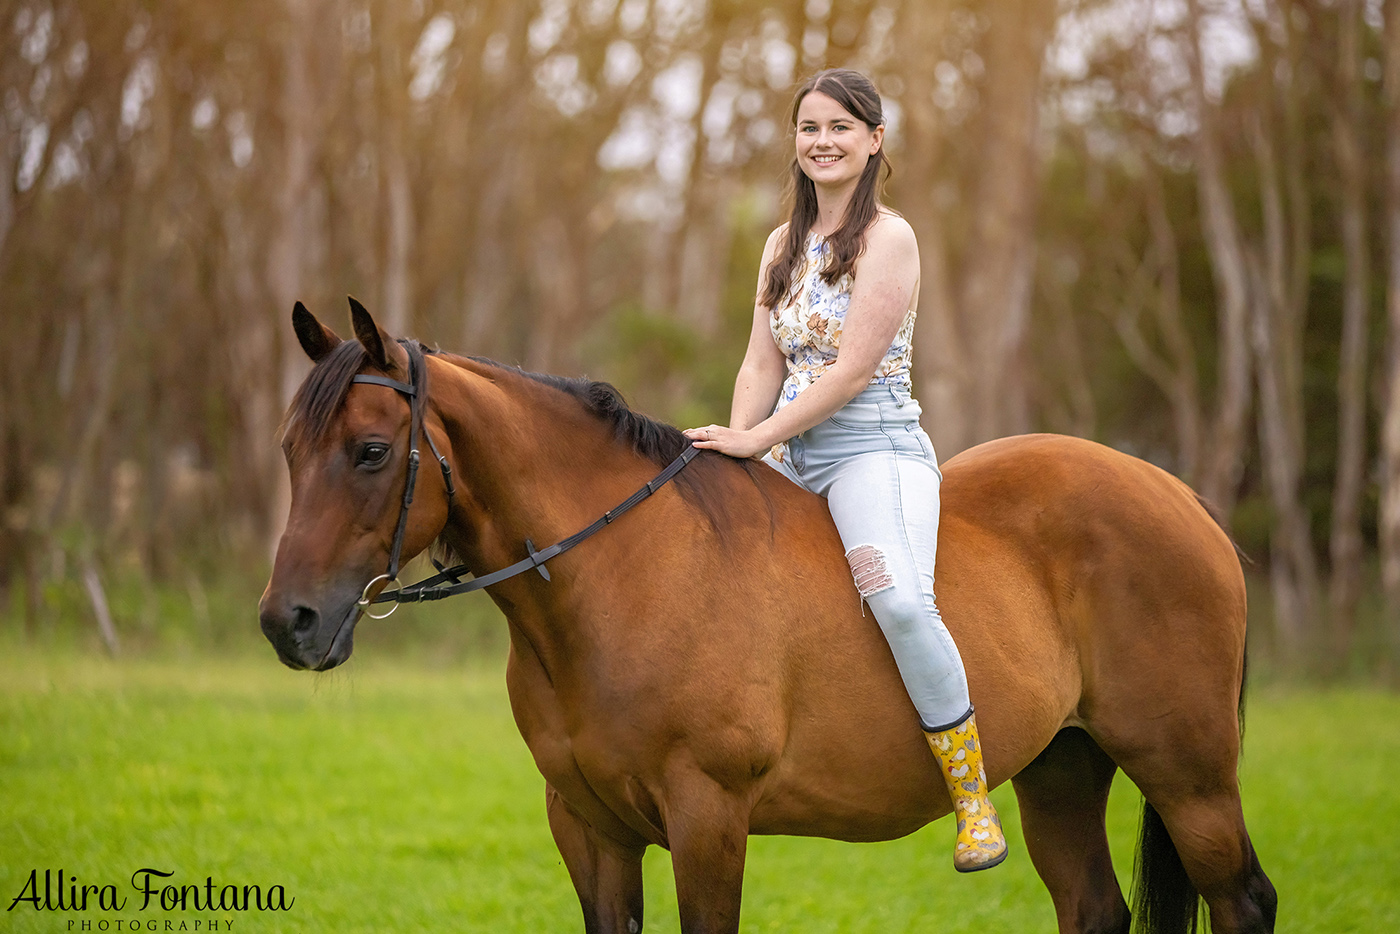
[387, 797]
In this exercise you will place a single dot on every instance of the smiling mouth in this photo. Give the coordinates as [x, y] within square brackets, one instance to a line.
[825, 160]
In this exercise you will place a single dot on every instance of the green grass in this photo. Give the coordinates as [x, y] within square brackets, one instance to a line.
[389, 797]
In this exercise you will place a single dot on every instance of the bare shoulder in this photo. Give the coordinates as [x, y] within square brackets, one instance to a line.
[890, 239]
[890, 230]
[772, 246]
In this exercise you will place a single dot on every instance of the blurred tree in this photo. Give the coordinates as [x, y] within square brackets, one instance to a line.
[1278, 310]
[1390, 435]
[1141, 222]
[1221, 471]
[944, 384]
[1348, 145]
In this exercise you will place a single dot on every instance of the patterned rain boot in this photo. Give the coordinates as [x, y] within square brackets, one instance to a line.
[981, 844]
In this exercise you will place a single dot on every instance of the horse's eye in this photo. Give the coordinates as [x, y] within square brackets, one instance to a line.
[373, 454]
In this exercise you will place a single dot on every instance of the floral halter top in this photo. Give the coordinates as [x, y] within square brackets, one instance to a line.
[807, 329]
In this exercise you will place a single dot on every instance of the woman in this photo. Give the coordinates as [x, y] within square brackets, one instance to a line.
[825, 389]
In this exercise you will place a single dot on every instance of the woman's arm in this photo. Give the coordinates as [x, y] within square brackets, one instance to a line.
[881, 295]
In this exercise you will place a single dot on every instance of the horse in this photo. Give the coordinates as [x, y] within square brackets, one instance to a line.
[702, 670]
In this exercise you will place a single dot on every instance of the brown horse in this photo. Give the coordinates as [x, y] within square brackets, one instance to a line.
[701, 669]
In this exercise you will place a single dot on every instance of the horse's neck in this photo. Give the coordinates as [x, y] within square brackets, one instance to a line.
[532, 464]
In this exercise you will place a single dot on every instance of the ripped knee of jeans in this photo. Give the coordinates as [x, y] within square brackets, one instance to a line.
[869, 570]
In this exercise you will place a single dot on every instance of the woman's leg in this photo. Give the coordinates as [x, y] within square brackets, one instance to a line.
[886, 508]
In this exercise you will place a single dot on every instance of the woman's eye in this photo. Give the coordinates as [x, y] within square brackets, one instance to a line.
[373, 454]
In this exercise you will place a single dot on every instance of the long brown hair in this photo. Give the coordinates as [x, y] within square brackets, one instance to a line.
[856, 93]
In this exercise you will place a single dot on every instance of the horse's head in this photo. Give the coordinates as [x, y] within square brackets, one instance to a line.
[347, 445]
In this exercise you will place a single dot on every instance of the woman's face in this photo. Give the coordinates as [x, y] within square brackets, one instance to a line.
[832, 145]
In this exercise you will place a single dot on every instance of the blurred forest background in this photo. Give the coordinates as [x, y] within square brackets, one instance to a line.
[1169, 225]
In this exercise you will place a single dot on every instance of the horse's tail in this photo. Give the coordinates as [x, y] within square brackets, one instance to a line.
[1164, 899]
[1218, 517]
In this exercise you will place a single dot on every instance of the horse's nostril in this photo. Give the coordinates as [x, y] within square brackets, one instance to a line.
[304, 620]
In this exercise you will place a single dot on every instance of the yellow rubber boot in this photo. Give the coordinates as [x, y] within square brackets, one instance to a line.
[981, 844]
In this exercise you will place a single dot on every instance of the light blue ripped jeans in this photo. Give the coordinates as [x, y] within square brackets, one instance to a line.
[876, 468]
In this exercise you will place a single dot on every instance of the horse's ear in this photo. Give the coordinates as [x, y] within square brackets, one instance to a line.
[384, 351]
[316, 339]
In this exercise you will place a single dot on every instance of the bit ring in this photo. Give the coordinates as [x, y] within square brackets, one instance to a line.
[364, 601]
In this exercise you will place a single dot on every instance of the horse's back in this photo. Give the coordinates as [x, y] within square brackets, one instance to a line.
[1067, 496]
[1135, 568]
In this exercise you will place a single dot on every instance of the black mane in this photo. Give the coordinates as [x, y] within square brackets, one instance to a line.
[655, 440]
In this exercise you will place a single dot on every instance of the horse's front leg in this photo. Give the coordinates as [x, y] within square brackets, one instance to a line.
[707, 829]
[607, 875]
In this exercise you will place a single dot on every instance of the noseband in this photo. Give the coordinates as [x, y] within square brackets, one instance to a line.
[448, 581]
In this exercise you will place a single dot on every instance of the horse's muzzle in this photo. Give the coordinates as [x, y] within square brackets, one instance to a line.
[302, 635]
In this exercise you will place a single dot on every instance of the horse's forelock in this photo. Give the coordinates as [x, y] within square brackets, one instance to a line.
[322, 393]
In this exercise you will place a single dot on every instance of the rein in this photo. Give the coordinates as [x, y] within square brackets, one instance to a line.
[438, 587]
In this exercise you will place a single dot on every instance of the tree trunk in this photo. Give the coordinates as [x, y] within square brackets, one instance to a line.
[707, 235]
[995, 296]
[249, 336]
[1390, 429]
[1077, 414]
[941, 373]
[7, 191]
[1184, 392]
[1225, 461]
[98, 597]
[1173, 369]
[1295, 174]
[1292, 565]
[1351, 376]
[106, 319]
[701, 247]
[398, 191]
[398, 288]
[1277, 339]
[559, 274]
[504, 216]
[294, 232]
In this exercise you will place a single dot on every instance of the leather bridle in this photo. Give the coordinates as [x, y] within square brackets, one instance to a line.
[448, 581]
[415, 390]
